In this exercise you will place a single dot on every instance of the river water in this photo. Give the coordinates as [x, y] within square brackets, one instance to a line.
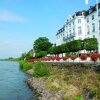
[12, 83]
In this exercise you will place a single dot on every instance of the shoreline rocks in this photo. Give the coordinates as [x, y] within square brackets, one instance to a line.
[44, 94]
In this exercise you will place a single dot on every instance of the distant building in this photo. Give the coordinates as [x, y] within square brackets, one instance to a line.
[81, 25]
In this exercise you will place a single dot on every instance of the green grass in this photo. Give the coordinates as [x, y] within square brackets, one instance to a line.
[41, 69]
[24, 65]
[71, 80]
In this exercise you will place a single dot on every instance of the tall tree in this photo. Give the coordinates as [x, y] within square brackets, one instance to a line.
[75, 45]
[42, 44]
[91, 44]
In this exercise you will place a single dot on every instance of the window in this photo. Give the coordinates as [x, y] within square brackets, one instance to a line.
[69, 25]
[69, 31]
[99, 24]
[73, 22]
[93, 36]
[99, 13]
[79, 30]
[79, 20]
[73, 30]
[87, 20]
[88, 30]
[93, 27]
[92, 17]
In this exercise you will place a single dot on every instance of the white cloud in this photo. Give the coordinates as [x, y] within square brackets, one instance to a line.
[8, 16]
[6, 43]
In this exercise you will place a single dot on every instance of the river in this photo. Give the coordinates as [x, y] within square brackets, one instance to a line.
[12, 83]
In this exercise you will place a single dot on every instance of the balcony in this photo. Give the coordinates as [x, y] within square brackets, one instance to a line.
[70, 36]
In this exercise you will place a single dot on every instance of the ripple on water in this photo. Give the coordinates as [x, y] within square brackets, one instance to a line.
[12, 85]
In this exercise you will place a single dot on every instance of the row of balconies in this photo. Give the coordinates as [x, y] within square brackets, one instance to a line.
[70, 36]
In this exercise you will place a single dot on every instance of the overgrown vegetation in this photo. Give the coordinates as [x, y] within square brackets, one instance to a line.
[41, 69]
[24, 65]
[76, 81]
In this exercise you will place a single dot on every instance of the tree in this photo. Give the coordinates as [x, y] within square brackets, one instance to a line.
[23, 56]
[29, 55]
[42, 44]
[53, 50]
[91, 44]
[75, 45]
[41, 54]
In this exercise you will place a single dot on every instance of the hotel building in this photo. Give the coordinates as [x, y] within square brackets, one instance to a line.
[81, 25]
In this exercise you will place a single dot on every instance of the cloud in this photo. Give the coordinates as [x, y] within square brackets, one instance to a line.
[7, 16]
[6, 42]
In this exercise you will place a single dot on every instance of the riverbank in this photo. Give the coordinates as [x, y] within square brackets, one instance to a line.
[68, 82]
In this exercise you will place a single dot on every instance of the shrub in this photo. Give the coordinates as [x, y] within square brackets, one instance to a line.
[58, 58]
[41, 69]
[27, 66]
[21, 64]
[94, 57]
[53, 58]
[24, 65]
[65, 58]
[48, 58]
[99, 56]
[73, 57]
[83, 57]
[41, 54]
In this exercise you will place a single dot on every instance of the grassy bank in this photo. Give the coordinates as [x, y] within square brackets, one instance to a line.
[24, 65]
[74, 81]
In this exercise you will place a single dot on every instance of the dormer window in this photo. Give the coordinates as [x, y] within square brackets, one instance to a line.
[79, 20]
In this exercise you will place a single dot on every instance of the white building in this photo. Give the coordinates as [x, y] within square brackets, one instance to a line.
[82, 24]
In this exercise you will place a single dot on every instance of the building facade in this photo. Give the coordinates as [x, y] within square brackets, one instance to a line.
[81, 25]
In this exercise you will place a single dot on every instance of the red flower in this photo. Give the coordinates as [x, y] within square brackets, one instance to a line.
[83, 57]
[94, 56]
[58, 58]
[65, 58]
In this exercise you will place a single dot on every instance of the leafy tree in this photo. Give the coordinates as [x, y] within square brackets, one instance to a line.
[41, 54]
[91, 44]
[29, 55]
[53, 50]
[75, 45]
[67, 47]
[23, 56]
[42, 44]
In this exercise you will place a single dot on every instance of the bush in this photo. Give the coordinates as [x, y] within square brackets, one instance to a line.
[53, 58]
[73, 57]
[58, 58]
[41, 69]
[65, 58]
[41, 54]
[99, 56]
[21, 64]
[83, 57]
[27, 66]
[24, 65]
[94, 57]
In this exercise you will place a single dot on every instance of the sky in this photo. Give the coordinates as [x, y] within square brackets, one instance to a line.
[23, 21]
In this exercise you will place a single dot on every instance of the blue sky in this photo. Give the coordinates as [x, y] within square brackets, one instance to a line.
[23, 21]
